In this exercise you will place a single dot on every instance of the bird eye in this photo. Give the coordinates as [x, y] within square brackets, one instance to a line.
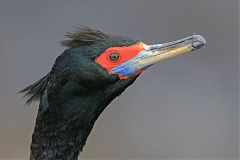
[114, 57]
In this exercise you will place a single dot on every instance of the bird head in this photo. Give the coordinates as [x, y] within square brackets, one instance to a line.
[102, 66]
[98, 62]
[103, 58]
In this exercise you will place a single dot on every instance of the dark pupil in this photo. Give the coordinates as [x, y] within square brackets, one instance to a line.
[113, 56]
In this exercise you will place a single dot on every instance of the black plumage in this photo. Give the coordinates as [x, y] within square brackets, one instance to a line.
[93, 70]
[73, 94]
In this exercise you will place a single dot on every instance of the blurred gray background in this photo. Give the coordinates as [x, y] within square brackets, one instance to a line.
[185, 107]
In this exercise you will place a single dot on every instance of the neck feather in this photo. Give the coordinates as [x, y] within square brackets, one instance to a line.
[63, 125]
[66, 117]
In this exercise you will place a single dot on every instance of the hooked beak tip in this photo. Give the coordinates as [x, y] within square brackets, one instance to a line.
[198, 42]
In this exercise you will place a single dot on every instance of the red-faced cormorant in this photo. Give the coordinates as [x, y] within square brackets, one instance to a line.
[84, 79]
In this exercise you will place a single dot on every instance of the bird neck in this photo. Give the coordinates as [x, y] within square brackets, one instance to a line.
[59, 138]
[66, 117]
[64, 123]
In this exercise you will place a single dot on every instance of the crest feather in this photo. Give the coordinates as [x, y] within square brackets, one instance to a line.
[83, 35]
[35, 90]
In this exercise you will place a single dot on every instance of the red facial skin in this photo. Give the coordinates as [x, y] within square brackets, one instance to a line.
[126, 53]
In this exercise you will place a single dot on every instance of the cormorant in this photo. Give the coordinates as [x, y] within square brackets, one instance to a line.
[94, 69]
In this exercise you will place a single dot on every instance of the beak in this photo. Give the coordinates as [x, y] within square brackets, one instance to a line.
[153, 54]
